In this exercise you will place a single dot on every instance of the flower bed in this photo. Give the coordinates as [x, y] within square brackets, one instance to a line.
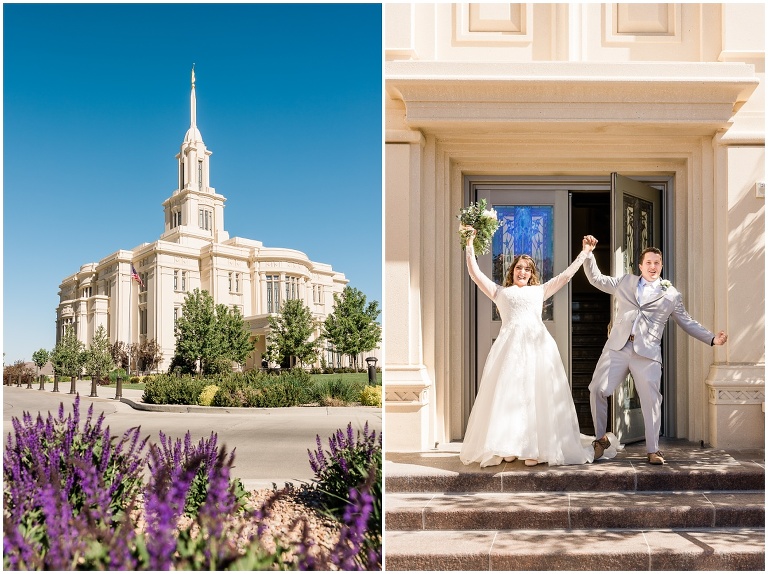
[258, 389]
[77, 498]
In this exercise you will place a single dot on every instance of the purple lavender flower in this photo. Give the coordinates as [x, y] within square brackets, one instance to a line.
[350, 479]
[63, 481]
[164, 501]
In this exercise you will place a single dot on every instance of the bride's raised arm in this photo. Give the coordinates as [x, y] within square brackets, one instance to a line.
[559, 281]
[485, 284]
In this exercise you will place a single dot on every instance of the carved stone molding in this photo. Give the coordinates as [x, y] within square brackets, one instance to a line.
[732, 396]
[410, 396]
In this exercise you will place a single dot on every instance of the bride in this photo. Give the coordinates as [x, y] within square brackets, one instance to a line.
[524, 407]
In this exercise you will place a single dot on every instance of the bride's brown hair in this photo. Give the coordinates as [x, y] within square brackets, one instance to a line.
[534, 280]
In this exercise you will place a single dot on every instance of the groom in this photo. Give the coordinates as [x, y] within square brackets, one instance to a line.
[634, 343]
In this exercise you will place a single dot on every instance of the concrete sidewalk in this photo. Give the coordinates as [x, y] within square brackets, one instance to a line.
[271, 444]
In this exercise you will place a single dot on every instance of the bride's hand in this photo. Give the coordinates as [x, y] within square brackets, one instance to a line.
[470, 233]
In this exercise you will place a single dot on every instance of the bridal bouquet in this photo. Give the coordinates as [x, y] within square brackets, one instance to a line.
[484, 221]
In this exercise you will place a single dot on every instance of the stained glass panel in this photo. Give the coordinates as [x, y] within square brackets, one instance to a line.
[638, 230]
[529, 230]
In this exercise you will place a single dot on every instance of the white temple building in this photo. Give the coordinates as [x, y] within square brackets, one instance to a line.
[194, 251]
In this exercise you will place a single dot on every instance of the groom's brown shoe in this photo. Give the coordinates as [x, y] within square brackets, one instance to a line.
[656, 457]
[600, 445]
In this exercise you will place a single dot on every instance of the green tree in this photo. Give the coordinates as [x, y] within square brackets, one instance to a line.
[99, 359]
[68, 356]
[290, 333]
[235, 336]
[210, 336]
[272, 354]
[351, 328]
[197, 339]
[40, 358]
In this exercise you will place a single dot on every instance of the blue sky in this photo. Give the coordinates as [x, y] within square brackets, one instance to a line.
[95, 108]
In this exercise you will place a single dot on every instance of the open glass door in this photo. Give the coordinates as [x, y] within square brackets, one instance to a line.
[533, 223]
[636, 225]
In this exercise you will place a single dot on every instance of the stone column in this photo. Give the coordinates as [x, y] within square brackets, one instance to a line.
[736, 380]
[408, 385]
[261, 301]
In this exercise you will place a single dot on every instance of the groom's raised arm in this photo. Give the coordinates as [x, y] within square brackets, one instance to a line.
[605, 283]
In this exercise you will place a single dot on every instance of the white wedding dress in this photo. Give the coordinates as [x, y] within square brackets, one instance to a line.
[524, 406]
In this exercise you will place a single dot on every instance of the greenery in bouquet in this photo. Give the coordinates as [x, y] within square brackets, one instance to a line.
[484, 221]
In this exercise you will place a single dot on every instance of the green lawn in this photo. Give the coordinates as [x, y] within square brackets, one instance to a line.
[348, 377]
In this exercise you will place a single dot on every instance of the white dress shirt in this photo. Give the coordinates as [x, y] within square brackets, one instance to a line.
[645, 291]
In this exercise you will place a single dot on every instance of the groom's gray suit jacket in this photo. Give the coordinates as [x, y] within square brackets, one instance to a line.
[653, 313]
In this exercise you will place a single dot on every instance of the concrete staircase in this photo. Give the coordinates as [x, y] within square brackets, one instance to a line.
[704, 510]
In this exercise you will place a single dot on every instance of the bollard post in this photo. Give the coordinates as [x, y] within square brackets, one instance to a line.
[73, 386]
[119, 390]
[55, 383]
[42, 383]
[94, 379]
[371, 370]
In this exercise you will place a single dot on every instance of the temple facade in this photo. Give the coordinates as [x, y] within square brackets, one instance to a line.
[194, 251]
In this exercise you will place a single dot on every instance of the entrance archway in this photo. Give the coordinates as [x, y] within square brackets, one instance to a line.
[557, 212]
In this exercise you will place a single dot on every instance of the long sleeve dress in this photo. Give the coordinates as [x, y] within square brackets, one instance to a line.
[524, 406]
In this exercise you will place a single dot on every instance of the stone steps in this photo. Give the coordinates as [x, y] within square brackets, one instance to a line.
[704, 510]
[602, 550]
[574, 510]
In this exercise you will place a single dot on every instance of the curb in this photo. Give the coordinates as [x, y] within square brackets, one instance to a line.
[140, 406]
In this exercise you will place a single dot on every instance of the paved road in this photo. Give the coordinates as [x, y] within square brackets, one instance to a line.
[271, 443]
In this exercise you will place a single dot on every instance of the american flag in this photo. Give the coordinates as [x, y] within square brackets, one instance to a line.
[135, 275]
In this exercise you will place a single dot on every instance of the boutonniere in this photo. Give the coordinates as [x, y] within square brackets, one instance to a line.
[665, 284]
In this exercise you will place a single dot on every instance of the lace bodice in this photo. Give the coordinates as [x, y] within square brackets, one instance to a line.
[520, 305]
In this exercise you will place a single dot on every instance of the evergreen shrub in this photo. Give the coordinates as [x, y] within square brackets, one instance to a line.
[114, 373]
[236, 393]
[169, 390]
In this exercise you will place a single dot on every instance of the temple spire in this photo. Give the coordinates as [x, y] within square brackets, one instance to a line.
[193, 104]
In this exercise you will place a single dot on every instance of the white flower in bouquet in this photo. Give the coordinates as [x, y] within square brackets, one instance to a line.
[484, 221]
